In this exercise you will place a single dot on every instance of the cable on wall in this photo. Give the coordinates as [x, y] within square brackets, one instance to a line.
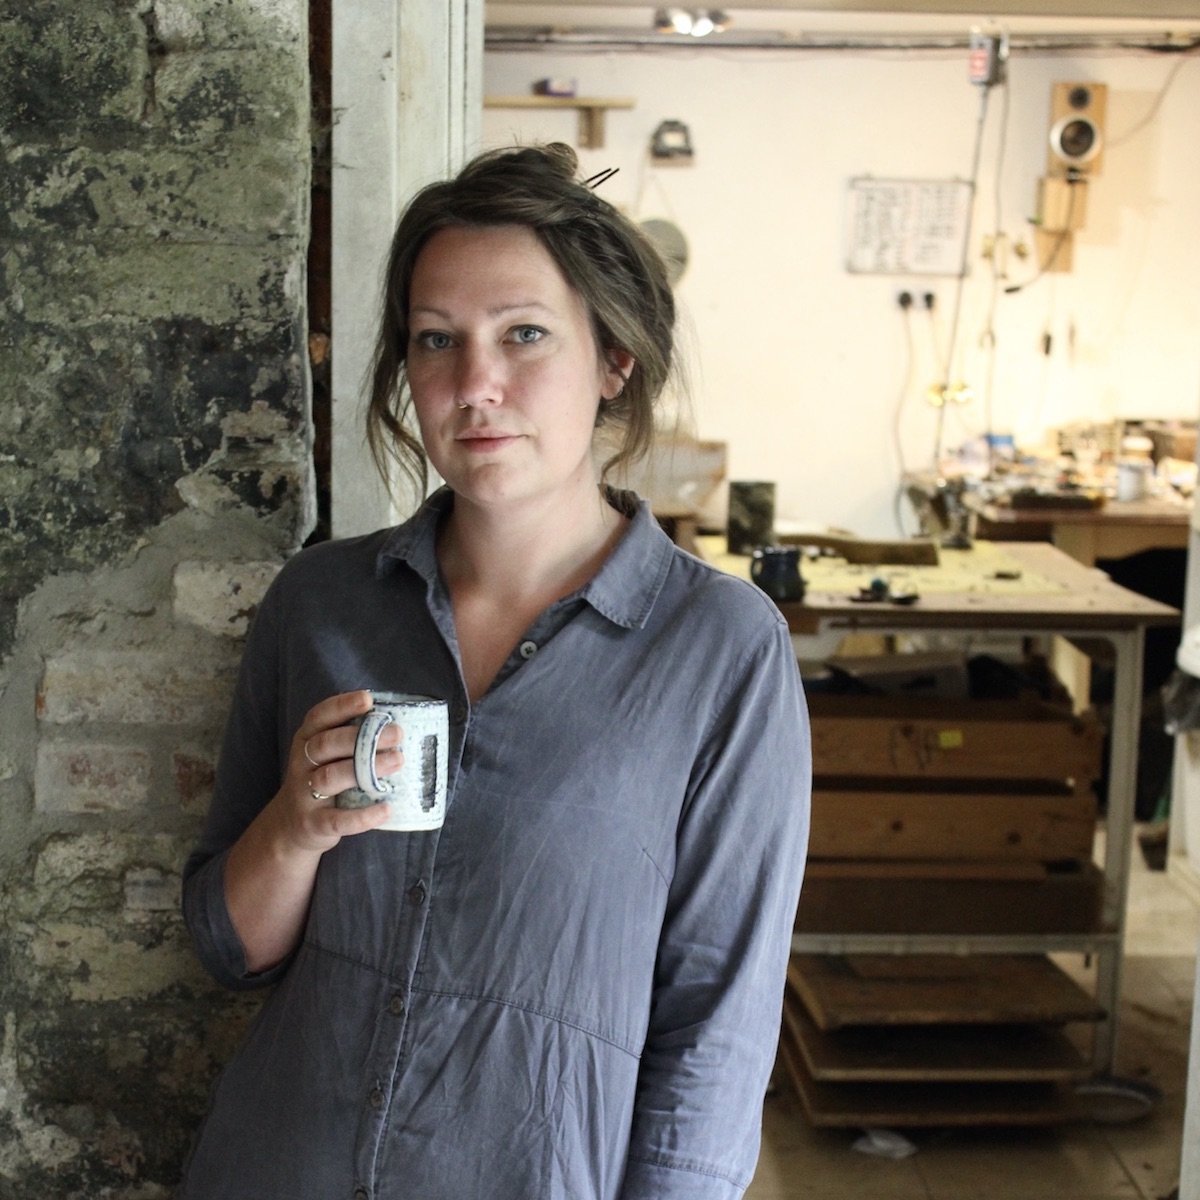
[1076, 181]
[906, 304]
[987, 337]
[956, 310]
[1184, 55]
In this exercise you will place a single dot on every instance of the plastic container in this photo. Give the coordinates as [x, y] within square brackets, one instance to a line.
[1135, 467]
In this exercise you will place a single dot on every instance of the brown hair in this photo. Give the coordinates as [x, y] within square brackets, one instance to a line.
[603, 255]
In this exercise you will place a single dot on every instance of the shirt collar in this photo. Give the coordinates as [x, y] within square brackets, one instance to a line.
[623, 590]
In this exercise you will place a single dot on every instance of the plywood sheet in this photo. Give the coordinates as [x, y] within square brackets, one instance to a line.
[915, 1105]
[840, 991]
[934, 1053]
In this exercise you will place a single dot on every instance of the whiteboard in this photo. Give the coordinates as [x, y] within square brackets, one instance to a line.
[907, 226]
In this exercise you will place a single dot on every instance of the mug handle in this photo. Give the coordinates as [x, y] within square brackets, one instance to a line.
[365, 747]
[756, 567]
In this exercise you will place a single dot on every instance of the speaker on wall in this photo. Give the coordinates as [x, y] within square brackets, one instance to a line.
[1076, 128]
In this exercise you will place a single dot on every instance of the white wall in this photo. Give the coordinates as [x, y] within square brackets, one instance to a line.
[799, 365]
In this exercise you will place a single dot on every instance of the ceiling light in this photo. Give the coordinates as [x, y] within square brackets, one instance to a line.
[698, 22]
[672, 20]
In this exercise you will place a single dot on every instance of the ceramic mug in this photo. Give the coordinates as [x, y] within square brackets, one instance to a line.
[776, 569]
[416, 794]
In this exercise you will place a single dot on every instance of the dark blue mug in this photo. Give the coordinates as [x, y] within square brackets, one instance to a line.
[776, 569]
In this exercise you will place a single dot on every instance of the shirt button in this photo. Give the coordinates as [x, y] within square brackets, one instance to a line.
[376, 1098]
[396, 1006]
[416, 893]
[527, 649]
[361, 1193]
[458, 712]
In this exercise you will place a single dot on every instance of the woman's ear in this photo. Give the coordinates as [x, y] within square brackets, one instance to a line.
[618, 365]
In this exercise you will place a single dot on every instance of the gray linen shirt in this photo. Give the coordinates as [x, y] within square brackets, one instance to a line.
[572, 990]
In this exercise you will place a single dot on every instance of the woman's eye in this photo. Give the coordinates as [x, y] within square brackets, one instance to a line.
[433, 340]
[527, 335]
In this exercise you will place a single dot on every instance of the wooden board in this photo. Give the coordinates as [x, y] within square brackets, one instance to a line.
[989, 568]
[909, 737]
[969, 589]
[934, 1053]
[838, 898]
[919, 823]
[927, 870]
[841, 991]
[916, 1105]
[921, 552]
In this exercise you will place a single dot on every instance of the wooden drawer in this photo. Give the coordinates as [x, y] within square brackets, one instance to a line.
[922, 819]
[889, 737]
[949, 897]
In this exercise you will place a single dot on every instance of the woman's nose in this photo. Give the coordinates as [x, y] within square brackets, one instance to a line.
[480, 376]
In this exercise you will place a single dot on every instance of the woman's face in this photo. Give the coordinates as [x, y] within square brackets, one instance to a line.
[504, 370]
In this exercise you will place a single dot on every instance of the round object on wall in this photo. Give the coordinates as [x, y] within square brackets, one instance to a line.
[667, 238]
[1076, 139]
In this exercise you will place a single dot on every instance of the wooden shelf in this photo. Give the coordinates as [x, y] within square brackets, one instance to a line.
[857, 990]
[592, 110]
[934, 1053]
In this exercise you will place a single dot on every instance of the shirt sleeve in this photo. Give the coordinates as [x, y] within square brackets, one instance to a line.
[723, 951]
[248, 775]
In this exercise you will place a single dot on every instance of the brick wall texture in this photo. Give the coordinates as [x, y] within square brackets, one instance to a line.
[154, 472]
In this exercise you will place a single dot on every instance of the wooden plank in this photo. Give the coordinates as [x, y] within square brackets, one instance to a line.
[935, 1053]
[520, 101]
[924, 824]
[927, 870]
[909, 737]
[1054, 593]
[899, 551]
[840, 991]
[1066, 900]
[915, 1105]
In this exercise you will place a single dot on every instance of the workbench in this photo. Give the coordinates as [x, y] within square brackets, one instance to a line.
[1116, 529]
[1023, 589]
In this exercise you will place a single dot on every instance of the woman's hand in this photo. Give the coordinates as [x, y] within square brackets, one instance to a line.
[271, 869]
[321, 766]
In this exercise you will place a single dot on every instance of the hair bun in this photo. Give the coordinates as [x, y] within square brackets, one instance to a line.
[556, 158]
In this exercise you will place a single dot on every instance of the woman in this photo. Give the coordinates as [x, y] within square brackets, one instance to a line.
[571, 990]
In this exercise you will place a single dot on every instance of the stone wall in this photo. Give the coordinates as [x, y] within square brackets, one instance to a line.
[154, 470]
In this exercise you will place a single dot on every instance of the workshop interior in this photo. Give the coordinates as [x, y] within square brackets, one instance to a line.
[939, 288]
[938, 281]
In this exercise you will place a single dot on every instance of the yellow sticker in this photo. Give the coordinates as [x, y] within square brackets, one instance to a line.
[950, 739]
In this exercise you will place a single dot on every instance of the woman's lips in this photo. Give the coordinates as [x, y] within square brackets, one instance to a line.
[480, 441]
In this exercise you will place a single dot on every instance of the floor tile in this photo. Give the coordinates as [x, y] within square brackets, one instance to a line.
[1026, 1165]
[802, 1163]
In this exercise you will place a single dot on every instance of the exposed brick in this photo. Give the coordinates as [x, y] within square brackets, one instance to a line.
[75, 777]
[148, 889]
[221, 597]
[134, 687]
[194, 774]
[68, 862]
[99, 964]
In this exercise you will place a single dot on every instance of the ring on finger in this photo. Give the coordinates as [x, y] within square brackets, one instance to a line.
[312, 791]
[312, 761]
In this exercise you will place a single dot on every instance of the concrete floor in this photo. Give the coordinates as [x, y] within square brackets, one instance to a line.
[1134, 1161]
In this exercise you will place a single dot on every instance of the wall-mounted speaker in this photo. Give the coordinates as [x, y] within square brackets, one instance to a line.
[1076, 128]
